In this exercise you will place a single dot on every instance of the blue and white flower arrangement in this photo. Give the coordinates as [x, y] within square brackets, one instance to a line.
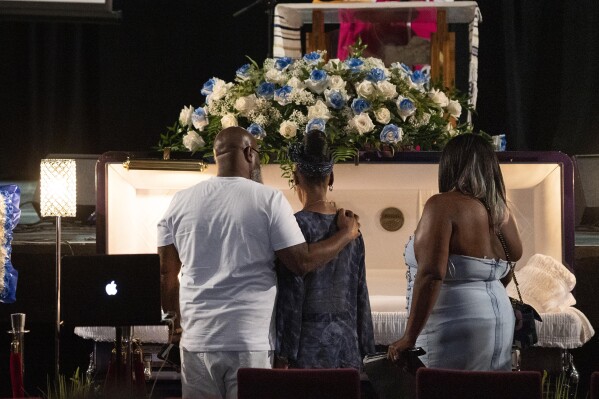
[360, 103]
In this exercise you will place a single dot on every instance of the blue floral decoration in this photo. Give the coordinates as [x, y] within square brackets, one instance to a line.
[360, 105]
[316, 124]
[257, 131]
[208, 87]
[376, 75]
[335, 99]
[10, 196]
[391, 134]
[312, 58]
[282, 95]
[243, 72]
[354, 64]
[282, 63]
[266, 90]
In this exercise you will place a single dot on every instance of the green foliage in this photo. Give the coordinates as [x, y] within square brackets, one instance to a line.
[76, 387]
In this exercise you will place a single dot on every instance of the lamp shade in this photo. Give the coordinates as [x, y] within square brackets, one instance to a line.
[58, 187]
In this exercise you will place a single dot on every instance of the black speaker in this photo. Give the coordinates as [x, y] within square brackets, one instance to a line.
[85, 165]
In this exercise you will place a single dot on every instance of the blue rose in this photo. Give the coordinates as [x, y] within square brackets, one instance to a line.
[419, 78]
[282, 63]
[318, 81]
[257, 131]
[316, 124]
[335, 99]
[405, 107]
[405, 68]
[391, 134]
[208, 86]
[318, 75]
[282, 95]
[354, 64]
[312, 58]
[376, 75]
[199, 119]
[243, 72]
[265, 90]
[360, 105]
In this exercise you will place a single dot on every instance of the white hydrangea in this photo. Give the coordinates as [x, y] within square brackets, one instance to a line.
[382, 115]
[438, 97]
[365, 89]
[454, 108]
[288, 129]
[362, 123]
[229, 120]
[185, 116]
[245, 104]
[193, 141]
[319, 110]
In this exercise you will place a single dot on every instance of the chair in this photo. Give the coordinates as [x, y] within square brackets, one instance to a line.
[595, 385]
[453, 384]
[298, 383]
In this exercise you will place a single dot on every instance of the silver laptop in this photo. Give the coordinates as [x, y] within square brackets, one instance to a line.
[110, 290]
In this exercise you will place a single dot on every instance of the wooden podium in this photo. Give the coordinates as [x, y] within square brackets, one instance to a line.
[442, 58]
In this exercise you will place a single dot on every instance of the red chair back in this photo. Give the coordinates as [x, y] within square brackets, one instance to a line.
[298, 384]
[595, 385]
[459, 384]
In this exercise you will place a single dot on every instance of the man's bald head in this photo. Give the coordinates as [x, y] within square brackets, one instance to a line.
[232, 138]
[236, 154]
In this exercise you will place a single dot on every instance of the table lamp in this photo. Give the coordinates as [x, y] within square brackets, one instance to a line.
[58, 198]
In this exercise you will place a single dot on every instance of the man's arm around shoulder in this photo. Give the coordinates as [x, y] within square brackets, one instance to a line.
[303, 258]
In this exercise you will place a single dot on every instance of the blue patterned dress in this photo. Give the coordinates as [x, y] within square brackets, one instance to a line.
[324, 319]
[471, 326]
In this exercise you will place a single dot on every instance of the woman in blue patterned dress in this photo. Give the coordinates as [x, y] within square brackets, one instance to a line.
[323, 318]
[460, 313]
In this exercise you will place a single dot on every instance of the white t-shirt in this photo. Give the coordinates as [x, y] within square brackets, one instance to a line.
[226, 230]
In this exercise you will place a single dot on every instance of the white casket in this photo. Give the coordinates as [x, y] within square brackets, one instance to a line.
[539, 188]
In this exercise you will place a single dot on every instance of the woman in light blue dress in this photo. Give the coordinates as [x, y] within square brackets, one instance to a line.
[459, 310]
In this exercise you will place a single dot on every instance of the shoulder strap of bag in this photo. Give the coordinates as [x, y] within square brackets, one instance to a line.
[510, 264]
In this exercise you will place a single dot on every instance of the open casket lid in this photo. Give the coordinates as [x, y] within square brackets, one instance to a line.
[539, 184]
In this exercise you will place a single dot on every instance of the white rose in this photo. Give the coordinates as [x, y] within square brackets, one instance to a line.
[288, 129]
[185, 116]
[337, 83]
[274, 76]
[376, 63]
[295, 83]
[193, 141]
[454, 108]
[319, 110]
[387, 89]
[365, 89]
[245, 104]
[362, 123]
[382, 115]
[450, 129]
[219, 90]
[438, 97]
[228, 120]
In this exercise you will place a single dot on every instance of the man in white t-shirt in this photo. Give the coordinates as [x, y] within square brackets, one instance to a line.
[223, 236]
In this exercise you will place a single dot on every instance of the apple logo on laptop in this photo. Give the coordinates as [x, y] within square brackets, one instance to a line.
[111, 288]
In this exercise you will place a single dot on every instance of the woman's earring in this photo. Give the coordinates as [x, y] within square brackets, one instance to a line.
[330, 187]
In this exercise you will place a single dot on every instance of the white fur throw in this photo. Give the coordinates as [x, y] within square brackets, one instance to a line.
[545, 283]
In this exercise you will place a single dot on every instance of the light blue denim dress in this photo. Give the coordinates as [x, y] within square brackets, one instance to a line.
[471, 326]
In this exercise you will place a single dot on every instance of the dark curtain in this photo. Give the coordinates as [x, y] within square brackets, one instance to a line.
[539, 74]
[74, 87]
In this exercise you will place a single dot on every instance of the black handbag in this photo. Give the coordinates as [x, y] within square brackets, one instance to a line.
[525, 329]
